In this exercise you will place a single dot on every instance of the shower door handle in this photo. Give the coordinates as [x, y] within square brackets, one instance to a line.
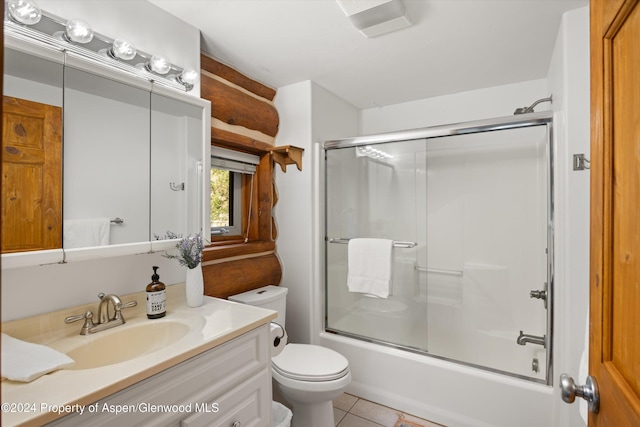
[589, 392]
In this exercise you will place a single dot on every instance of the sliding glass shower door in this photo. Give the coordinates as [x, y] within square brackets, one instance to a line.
[373, 194]
[472, 221]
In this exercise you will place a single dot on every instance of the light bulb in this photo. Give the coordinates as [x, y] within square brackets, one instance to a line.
[122, 49]
[159, 64]
[24, 11]
[79, 31]
[188, 77]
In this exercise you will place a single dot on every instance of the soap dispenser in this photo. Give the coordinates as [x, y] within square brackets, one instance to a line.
[156, 297]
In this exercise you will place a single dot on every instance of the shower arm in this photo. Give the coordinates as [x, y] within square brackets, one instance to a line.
[524, 110]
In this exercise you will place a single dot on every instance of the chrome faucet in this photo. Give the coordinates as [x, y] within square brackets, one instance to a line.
[525, 338]
[104, 321]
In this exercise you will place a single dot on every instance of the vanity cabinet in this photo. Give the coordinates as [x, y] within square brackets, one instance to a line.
[227, 386]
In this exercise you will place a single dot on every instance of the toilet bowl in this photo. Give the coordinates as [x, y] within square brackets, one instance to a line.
[308, 376]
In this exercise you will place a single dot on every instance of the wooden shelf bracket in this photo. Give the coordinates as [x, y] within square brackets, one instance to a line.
[287, 155]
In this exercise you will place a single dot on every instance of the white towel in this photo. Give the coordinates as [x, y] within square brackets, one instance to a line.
[25, 361]
[370, 266]
[82, 233]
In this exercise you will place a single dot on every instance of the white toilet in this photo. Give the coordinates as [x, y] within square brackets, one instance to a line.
[308, 376]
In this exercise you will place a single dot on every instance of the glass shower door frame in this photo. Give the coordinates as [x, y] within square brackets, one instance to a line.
[544, 118]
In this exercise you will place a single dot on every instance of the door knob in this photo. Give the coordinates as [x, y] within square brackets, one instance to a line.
[589, 392]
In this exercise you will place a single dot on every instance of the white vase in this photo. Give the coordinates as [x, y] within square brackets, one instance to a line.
[195, 286]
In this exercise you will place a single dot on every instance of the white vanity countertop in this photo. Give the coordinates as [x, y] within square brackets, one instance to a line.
[31, 404]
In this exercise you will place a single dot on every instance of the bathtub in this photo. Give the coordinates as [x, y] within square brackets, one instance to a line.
[444, 392]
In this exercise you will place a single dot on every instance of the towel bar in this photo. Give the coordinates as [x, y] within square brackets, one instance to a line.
[117, 220]
[440, 271]
[396, 244]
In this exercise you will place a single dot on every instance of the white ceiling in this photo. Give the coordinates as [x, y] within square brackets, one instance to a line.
[452, 46]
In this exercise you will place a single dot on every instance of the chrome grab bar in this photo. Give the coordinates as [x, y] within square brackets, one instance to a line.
[440, 271]
[396, 244]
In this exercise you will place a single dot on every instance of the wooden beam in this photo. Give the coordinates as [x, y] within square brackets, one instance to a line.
[234, 107]
[240, 275]
[234, 141]
[223, 250]
[219, 69]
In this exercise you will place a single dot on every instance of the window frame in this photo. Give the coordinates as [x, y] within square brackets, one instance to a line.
[258, 230]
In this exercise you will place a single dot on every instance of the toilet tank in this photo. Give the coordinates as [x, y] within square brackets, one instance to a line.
[271, 297]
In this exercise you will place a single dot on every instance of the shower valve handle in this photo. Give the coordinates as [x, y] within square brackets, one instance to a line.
[540, 294]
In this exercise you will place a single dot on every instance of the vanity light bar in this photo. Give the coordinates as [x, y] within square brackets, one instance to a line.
[52, 31]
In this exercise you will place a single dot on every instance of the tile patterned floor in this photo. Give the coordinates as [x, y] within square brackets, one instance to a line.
[352, 411]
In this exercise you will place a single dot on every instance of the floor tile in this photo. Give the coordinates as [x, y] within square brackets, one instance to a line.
[351, 420]
[411, 421]
[345, 402]
[338, 415]
[377, 413]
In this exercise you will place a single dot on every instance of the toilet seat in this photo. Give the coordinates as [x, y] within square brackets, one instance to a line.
[306, 362]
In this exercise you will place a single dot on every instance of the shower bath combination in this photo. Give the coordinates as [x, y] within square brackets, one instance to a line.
[475, 201]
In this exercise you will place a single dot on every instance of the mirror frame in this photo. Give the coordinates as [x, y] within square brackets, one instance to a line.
[60, 256]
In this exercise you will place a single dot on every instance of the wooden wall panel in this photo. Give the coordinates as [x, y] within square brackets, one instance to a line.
[244, 118]
[223, 278]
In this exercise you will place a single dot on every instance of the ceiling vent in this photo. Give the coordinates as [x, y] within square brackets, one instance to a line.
[375, 17]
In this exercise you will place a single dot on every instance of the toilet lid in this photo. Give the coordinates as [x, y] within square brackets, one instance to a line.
[306, 362]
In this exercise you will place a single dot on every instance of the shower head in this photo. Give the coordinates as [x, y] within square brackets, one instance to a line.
[525, 110]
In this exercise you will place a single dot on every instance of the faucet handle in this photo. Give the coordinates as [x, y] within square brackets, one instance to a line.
[88, 321]
[119, 307]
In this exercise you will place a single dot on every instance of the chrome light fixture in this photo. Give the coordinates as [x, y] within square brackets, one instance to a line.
[25, 20]
[24, 11]
[158, 64]
[78, 31]
[122, 49]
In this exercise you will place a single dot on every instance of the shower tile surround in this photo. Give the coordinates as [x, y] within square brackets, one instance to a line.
[352, 411]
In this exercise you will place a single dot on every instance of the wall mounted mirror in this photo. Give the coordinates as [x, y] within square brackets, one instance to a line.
[127, 169]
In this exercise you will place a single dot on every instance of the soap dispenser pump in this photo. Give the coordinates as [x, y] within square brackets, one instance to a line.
[156, 297]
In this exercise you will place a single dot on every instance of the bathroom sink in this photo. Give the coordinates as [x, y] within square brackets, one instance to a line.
[125, 342]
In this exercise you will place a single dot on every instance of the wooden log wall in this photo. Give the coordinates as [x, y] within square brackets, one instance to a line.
[243, 118]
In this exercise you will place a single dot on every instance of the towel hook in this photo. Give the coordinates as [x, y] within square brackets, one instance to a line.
[176, 187]
[580, 162]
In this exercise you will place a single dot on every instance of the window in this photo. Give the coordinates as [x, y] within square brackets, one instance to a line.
[226, 202]
[227, 168]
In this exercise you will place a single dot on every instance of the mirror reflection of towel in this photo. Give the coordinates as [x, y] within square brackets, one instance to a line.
[370, 266]
[82, 233]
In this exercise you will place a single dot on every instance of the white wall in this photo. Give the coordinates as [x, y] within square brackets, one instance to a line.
[309, 114]
[569, 82]
[30, 291]
[479, 104]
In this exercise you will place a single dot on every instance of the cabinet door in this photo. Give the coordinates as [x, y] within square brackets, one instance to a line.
[248, 405]
[240, 366]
